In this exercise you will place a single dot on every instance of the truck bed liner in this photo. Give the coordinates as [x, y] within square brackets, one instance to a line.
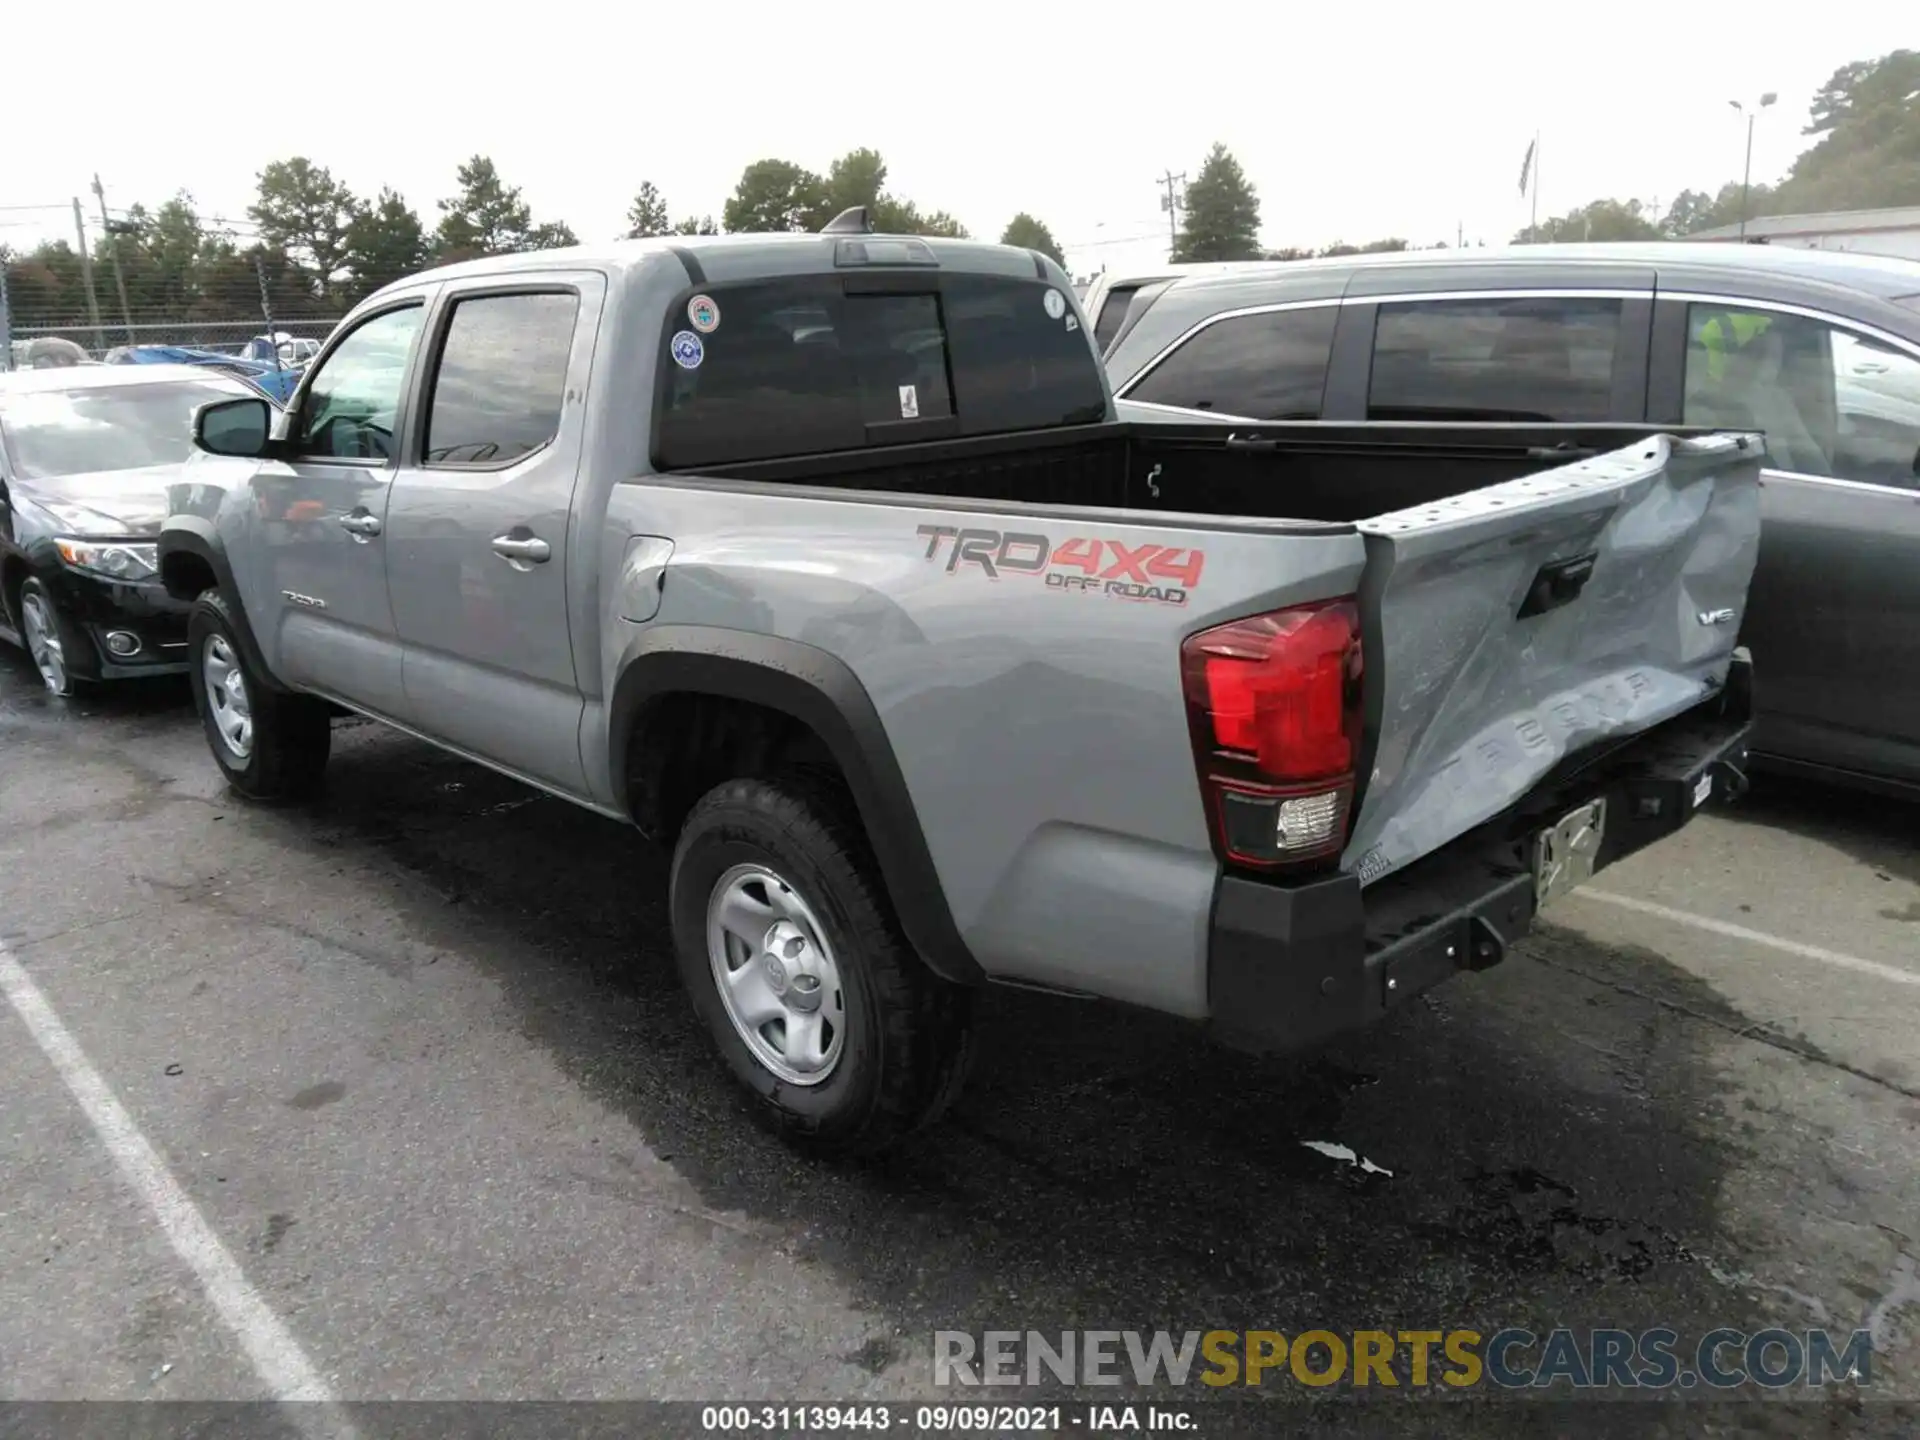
[1327, 473]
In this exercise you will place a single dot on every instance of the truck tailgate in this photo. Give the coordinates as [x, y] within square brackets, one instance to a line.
[1510, 627]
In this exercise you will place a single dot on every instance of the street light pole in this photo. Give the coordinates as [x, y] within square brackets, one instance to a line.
[1746, 175]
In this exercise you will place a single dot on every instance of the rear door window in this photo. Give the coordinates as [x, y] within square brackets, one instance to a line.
[799, 367]
[1262, 367]
[1498, 359]
[502, 374]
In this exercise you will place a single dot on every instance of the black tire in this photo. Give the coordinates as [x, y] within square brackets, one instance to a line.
[291, 735]
[907, 1036]
[73, 645]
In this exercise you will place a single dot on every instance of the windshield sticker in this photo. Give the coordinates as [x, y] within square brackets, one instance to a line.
[687, 350]
[909, 403]
[1056, 304]
[703, 314]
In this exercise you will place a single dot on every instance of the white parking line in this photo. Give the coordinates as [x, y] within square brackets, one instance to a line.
[276, 1355]
[1757, 937]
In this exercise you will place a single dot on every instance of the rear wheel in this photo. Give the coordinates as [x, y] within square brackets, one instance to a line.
[793, 956]
[270, 746]
[52, 641]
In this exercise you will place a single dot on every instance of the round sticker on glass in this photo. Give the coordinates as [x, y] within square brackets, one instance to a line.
[1056, 304]
[703, 314]
[687, 350]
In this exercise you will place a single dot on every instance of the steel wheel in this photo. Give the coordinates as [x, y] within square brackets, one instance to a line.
[227, 698]
[41, 629]
[776, 974]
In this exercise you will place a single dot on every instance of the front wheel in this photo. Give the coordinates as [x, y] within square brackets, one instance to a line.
[792, 954]
[52, 641]
[270, 746]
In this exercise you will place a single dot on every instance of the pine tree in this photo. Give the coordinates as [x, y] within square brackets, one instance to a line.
[1223, 213]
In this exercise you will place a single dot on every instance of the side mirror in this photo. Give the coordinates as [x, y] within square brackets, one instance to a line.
[242, 426]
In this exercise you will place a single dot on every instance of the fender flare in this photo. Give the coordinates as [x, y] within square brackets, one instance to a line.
[192, 536]
[819, 690]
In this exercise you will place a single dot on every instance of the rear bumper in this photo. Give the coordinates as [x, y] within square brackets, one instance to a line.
[1289, 966]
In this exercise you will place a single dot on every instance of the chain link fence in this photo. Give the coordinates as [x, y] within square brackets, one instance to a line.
[42, 325]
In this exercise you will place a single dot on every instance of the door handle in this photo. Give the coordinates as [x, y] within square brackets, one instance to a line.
[360, 525]
[523, 549]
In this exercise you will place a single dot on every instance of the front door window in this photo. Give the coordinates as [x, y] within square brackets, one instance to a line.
[353, 398]
[1833, 403]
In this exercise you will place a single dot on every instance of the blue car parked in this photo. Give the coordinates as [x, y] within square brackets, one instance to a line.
[274, 381]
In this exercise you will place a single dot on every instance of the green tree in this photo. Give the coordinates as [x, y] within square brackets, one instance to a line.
[858, 177]
[552, 235]
[1599, 220]
[488, 217]
[302, 210]
[780, 195]
[1223, 213]
[230, 284]
[1030, 234]
[46, 286]
[1867, 118]
[775, 195]
[892, 216]
[163, 255]
[647, 215]
[385, 241]
[703, 226]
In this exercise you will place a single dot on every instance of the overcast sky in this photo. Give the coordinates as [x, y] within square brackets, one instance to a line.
[1353, 121]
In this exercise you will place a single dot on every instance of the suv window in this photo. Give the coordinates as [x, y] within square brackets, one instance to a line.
[1263, 367]
[796, 367]
[1113, 311]
[1832, 403]
[354, 395]
[502, 374]
[1548, 359]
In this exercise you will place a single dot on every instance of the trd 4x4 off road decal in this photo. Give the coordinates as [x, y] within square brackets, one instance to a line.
[1149, 571]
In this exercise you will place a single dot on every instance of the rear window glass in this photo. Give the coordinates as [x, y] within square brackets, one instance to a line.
[796, 367]
[1262, 367]
[1113, 311]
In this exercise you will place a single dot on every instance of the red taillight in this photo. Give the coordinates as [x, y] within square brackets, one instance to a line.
[1275, 706]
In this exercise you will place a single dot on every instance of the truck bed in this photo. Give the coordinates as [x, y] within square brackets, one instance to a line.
[1324, 474]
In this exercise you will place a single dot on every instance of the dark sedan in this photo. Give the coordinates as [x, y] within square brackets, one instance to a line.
[86, 456]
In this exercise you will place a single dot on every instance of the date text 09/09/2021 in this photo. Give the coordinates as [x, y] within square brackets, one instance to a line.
[945, 1419]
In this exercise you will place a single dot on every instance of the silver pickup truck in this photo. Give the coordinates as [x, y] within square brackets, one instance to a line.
[827, 561]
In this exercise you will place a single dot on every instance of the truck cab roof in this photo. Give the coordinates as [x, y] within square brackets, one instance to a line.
[740, 257]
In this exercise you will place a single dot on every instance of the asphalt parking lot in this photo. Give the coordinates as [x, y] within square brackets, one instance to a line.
[414, 1061]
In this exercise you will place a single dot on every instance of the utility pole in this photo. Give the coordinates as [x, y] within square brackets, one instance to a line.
[1746, 175]
[86, 274]
[1533, 222]
[113, 249]
[1170, 202]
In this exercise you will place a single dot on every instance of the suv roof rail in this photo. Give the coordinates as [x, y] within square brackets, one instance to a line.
[857, 220]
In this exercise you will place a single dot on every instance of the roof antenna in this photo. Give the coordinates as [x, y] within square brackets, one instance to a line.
[855, 221]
